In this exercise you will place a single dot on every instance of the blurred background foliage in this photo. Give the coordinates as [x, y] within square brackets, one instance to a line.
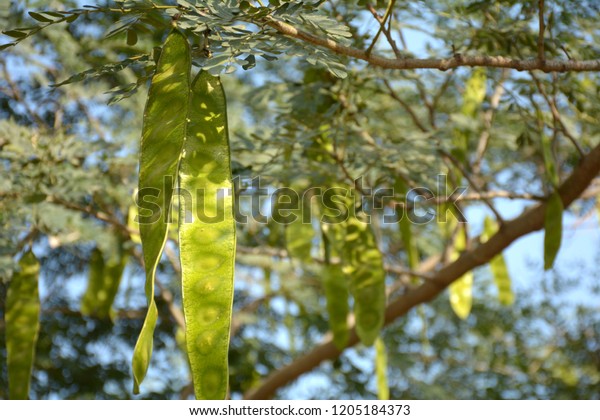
[69, 172]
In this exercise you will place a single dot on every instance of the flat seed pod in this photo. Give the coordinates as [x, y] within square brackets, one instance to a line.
[553, 229]
[381, 366]
[498, 267]
[103, 284]
[22, 325]
[363, 264]
[207, 237]
[163, 134]
[299, 236]
[335, 282]
[461, 290]
[336, 294]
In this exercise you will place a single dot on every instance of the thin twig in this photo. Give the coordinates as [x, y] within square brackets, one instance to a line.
[542, 29]
[18, 96]
[556, 114]
[382, 28]
[104, 217]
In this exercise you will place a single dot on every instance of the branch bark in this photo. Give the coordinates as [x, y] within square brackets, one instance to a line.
[443, 64]
[529, 221]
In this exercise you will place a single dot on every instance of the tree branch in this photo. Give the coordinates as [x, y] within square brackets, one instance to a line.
[529, 221]
[443, 64]
[382, 22]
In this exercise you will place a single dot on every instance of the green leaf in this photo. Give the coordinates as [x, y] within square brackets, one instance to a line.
[498, 266]
[103, 283]
[22, 325]
[383, 390]
[207, 237]
[461, 290]
[336, 294]
[553, 229]
[132, 37]
[363, 264]
[39, 17]
[14, 34]
[250, 62]
[5, 46]
[163, 134]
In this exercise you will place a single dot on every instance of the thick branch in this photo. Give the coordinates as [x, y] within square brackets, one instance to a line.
[437, 63]
[530, 221]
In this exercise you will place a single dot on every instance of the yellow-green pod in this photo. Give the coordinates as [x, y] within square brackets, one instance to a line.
[22, 325]
[335, 282]
[298, 237]
[363, 264]
[498, 267]
[383, 390]
[553, 229]
[336, 294]
[461, 290]
[406, 234]
[473, 96]
[133, 225]
[207, 237]
[163, 134]
[103, 283]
